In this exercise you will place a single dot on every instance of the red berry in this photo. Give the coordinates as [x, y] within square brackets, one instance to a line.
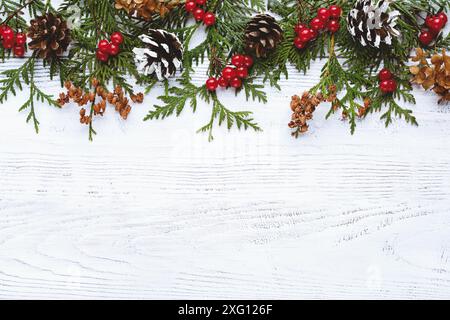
[212, 84]
[388, 86]
[299, 27]
[248, 61]
[333, 26]
[209, 19]
[317, 24]
[19, 51]
[426, 37]
[385, 74]
[444, 17]
[229, 73]
[200, 2]
[117, 38]
[103, 46]
[8, 40]
[102, 56]
[113, 49]
[223, 82]
[335, 11]
[299, 43]
[7, 31]
[306, 35]
[2, 29]
[242, 72]
[236, 83]
[323, 14]
[21, 39]
[190, 6]
[238, 60]
[199, 13]
[435, 24]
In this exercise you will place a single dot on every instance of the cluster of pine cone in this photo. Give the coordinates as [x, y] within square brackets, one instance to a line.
[303, 109]
[434, 76]
[145, 9]
[82, 98]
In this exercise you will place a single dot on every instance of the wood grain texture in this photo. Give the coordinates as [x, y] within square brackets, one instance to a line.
[152, 210]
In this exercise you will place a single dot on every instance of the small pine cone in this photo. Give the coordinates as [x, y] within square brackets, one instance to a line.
[162, 55]
[145, 9]
[262, 35]
[373, 24]
[49, 35]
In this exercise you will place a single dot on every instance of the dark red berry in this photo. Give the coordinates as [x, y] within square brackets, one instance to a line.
[333, 26]
[299, 27]
[200, 2]
[435, 24]
[238, 60]
[229, 73]
[306, 35]
[443, 16]
[388, 86]
[113, 49]
[103, 46]
[426, 37]
[209, 19]
[212, 84]
[102, 56]
[190, 6]
[299, 44]
[19, 51]
[242, 72]
[317, 24]
[323, 14]
[21, 39]
[385, 74]
[223, 82]
[236, 83]
[117, 38]
[335, 11]
[248, 61]
[199, 13]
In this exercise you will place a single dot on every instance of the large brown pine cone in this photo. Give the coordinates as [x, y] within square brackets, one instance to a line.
[50, 36]
[262, 35]
[146, 8]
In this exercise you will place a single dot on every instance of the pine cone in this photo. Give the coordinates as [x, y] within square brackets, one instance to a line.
[145, 9]
[162, 55]
[262, 35]
[50, 36]
[372, 24]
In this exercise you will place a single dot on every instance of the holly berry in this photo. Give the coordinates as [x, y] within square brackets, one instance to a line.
[190, 6]
[323, 14]
[113, 49]
[7, 32]
[444, 17]
[333, 26]
[242, 72]
[103, 46]
[299, 27]
[299, 44]
[209, 19]
[426, 37]
[335, 11]
[385, 74]
[306, 35]
[238, 60]
[117, 38]
[435, 24]
[21, 39]
[19, 51]
[2, 29]
[236, 83]
[229, 73]
[212, 84]
[102, 56]
[317, 24]
[388, 86]
[223, 82]
[248, 61]
[199, 13]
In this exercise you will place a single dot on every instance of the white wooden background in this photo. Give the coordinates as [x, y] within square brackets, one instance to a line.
[152, 210]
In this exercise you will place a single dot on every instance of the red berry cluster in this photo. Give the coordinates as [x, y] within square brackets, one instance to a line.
[107, 48]
[326, 19]
[232, 75]
[433, 26]
[387, 81]
[192, 6]
[11, 40]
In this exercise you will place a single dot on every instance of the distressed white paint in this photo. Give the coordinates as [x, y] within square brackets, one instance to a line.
[152, 210]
